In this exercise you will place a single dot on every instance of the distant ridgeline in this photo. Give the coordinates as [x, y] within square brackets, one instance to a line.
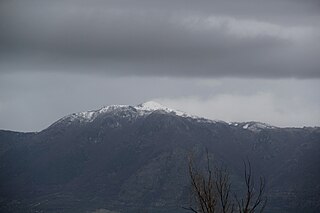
[134, 159]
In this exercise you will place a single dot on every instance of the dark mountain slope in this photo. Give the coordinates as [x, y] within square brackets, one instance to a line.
[134, 159]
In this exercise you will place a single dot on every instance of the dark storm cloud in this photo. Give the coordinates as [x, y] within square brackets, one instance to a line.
[242, 38]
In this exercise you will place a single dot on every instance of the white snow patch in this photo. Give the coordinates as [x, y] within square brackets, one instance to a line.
[111, 108]
[151, 106]
[246, 126]
[257, 126]
[253, 126]
[142, 110]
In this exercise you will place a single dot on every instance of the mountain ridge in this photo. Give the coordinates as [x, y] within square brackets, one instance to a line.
[148, 107]
[130, 162]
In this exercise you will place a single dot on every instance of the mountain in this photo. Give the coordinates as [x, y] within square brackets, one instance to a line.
[134, 159]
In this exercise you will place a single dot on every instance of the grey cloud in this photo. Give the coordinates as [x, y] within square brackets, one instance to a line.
[278, 102]
[167, 38]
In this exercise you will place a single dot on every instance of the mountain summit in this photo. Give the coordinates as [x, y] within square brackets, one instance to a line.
[145, 109]
[142, 109]
[153, 106]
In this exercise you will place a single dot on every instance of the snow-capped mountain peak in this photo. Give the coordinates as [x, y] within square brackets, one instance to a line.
[151, 106]
[145, 109]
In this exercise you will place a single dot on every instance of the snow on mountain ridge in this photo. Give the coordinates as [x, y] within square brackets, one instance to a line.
[252, 125]
[152, 106]
[142, 109]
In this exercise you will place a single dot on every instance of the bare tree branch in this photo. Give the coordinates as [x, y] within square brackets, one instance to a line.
[252, 201]
[211, 190]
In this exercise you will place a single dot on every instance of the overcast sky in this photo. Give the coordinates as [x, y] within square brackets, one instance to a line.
[233, 60]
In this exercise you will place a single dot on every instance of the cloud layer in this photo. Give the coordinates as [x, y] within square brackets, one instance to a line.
[240, 38]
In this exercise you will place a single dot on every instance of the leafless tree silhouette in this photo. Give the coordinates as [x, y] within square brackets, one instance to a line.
[254, 200]
[211, 190]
